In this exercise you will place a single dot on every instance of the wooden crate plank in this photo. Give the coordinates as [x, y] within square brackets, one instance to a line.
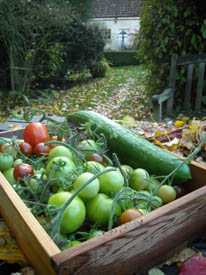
[6, 126]
[35, 243]
[135, 246]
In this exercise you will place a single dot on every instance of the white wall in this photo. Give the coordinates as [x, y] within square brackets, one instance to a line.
[130, 25]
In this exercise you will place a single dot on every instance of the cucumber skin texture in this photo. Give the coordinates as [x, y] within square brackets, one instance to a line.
[133, 149]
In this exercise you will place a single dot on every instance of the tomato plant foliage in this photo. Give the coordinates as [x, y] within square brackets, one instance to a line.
[73, 198]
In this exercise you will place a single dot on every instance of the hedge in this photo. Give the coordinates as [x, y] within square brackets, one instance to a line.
[121, 58]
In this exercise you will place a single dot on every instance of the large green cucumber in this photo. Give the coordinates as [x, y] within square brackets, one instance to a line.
[133, 149]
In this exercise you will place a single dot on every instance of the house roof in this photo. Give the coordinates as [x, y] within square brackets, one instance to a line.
[116, 8]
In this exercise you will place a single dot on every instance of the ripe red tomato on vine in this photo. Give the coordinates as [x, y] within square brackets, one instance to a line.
[36, 132]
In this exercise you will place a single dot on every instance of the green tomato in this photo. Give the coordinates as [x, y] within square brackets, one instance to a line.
[74, 214]
[144, 199]
[6, 161]
[94, 167]
[153, 185]
[156, 202]
[167, 193]
[99, 208]
[112, 181]
[90, 190]
[60, 151]
[128, 170]
[35, 184]
[139, 179]
[67, 167]
[9, 175]
[88, 147]
[17, 161]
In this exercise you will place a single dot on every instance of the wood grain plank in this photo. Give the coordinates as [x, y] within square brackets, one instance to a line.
[35, 243]
[134, 246]
[188, 59]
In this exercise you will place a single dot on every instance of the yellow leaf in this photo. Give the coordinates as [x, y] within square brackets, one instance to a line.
[129, 121]
[172, 145]
[179, 123]
[158, 143]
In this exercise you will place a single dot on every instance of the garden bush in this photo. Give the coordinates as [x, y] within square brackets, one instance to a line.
[168, 27]
[41, 42]
[121, 58]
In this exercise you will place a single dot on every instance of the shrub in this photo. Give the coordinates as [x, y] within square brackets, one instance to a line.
[168, 27]
[121, 58]
[40, 42]
[84, 45]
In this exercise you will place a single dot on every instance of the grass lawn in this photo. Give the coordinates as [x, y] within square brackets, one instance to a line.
[120, 93]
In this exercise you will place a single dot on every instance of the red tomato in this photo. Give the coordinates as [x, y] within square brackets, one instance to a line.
[22, 170]
[41, 149]
[35, 133]
[129, 215]
[96, 157]
[26, 148]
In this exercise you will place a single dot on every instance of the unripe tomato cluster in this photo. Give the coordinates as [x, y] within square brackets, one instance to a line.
[90, 183]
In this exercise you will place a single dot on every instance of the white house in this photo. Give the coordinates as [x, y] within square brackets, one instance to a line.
[120, 21]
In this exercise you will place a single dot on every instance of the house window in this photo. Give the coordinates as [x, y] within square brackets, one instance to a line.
[107, 34]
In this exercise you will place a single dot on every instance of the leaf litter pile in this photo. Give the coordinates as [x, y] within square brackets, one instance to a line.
[121, 97]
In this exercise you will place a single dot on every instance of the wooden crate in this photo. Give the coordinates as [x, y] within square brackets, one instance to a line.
[130, 248]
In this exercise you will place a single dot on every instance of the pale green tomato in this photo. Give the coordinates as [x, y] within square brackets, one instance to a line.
[90, 190]
[139, 179]
[17, 161]
[128, 170]
[35, 186]
[112, 181]
[74, 214]
[153, 185]
[88, 147]
[60, 151]
[8, 174]
[99, 208]
[167, 193]
[68, 167]
[94, 167]
[6, 161]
